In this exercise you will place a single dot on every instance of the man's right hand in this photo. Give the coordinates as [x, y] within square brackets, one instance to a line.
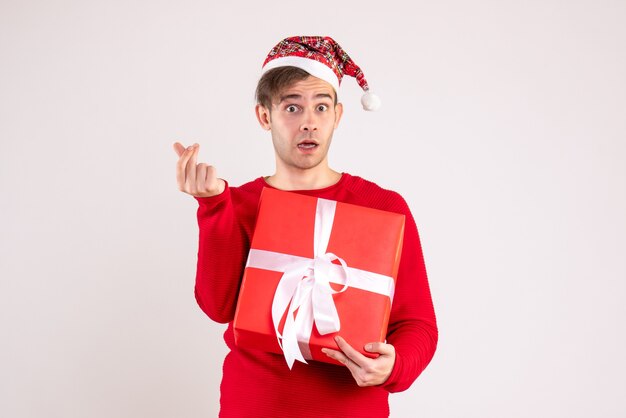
[199, 180]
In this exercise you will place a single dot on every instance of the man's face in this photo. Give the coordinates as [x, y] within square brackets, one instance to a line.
[302, 121]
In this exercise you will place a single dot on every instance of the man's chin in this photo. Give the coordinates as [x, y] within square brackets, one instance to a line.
[307, 165]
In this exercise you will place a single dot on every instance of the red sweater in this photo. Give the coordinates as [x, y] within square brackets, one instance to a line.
[259, 384]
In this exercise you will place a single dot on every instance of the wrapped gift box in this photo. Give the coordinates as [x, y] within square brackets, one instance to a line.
[306, 255]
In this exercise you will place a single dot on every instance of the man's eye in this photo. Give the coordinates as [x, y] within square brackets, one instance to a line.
[322, 108]
[291, 108]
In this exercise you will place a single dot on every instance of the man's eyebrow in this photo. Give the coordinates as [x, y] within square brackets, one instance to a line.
[323, 95]
[299, 96]
[289, 96]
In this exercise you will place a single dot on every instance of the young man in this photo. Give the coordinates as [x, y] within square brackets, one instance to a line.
[297, 103]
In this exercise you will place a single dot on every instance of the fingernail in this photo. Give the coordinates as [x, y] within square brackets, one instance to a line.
[368, 347]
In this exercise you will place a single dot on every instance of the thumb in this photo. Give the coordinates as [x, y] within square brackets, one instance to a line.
[378, 347]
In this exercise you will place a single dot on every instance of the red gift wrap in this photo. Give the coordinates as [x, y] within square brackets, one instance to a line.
[317, 269]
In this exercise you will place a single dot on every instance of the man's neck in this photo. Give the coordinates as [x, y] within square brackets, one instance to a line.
[303, 179]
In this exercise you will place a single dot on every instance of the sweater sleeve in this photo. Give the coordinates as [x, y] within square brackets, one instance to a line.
[412, 327]
[221, 256]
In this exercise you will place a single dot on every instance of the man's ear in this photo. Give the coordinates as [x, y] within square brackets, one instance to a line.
[338, 114]
[263, 116]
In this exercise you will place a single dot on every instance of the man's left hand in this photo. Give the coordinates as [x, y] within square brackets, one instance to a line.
[366, 371]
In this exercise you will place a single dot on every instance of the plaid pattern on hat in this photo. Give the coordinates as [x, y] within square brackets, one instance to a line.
[322, 49]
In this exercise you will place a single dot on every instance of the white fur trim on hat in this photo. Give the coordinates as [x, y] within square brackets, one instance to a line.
[315, 68]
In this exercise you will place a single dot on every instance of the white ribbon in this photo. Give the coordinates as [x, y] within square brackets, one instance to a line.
[305, 287]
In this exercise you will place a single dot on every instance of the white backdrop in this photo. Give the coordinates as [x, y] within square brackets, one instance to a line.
[503, 125]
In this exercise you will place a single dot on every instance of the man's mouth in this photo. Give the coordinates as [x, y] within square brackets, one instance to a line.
[307, 144]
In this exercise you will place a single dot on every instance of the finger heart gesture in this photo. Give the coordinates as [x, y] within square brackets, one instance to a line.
[199, 180]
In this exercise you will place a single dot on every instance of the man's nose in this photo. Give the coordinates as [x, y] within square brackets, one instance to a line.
[309, 121]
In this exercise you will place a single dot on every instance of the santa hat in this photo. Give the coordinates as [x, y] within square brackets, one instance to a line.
[323, 58]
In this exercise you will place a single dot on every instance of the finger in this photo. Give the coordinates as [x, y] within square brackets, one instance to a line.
[381, 348]
[201, 177]
[179, 148]
[333, 353]
[350, 352]
[191, 169]
[210, 181]
[181, 168]
[343, 359]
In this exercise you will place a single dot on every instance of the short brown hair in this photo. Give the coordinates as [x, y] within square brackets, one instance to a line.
[274, 81]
